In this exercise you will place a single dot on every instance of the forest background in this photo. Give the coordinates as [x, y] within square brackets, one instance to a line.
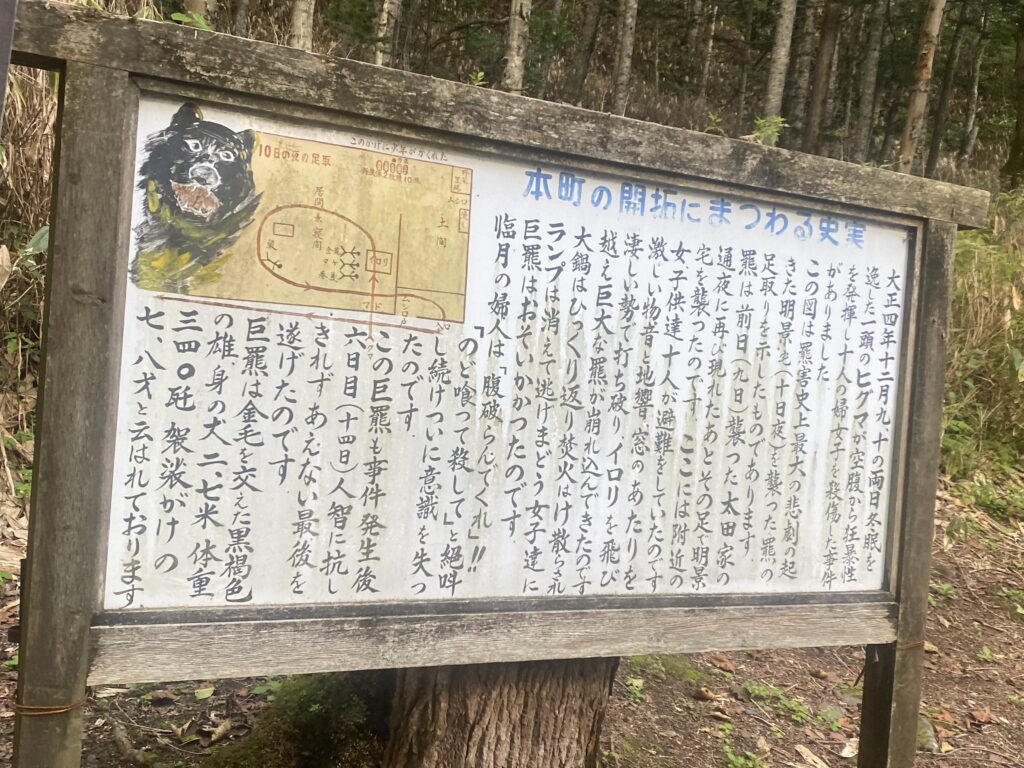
[930, 87]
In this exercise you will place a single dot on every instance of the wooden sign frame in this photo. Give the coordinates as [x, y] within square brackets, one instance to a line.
[70, 643]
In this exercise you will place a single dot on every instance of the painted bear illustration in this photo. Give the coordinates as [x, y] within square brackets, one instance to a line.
[199, 196]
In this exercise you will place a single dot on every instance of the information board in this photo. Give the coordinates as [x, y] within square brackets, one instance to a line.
[360, 368]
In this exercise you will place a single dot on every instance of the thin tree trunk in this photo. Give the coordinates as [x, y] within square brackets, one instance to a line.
[971, 118]
[865, 124]
[798, 80]
[1013, 171]
[748, 34]
[945, 95]
[814, 127]
[693, 27]
[389, 17]
[301, 34]
[780, 58]
[545, 71]
[705, 72]
[205, 8]
[241, 20]
[889, 138]
[624, 55]
[918, 102]
[584, 52]
[412, 18]
[515, 45]
[525, 715]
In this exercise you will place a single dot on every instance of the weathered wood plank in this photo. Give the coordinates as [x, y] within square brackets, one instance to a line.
[156, 652]
[205, 615]
[82, 333]
[57, 32]
[892, 679]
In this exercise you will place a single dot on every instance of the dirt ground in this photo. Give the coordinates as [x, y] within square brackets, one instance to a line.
[739, 710]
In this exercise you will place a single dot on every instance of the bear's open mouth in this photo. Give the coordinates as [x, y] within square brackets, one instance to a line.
[195, 199]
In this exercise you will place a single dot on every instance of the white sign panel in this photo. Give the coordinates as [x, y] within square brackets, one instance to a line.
[357, 368]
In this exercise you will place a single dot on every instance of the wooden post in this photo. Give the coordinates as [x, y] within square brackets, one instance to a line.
[892, 673]
[8, 10]
[78, 390]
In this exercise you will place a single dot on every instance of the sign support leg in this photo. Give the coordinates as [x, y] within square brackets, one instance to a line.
[84, 295]
[892, 675]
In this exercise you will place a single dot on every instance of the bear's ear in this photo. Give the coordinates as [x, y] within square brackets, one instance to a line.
[248, 139]
[187, 116]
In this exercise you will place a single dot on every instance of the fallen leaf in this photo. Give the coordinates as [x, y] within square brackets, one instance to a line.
[703, 694]
[221, 731]
[945, 747]
[982, 716]
[930, 647]
[942, 716]
[813, 760]
[851, 748]
[819, 674]
[763, 747]
[723, 662]
[5, 265]
[203, 693]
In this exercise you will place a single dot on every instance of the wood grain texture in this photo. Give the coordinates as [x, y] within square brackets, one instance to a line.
[159, 652]
[541, 713]
[892, 679]
[56, 32]
[81, 345]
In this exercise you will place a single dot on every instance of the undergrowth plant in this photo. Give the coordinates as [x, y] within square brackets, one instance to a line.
[983, 437]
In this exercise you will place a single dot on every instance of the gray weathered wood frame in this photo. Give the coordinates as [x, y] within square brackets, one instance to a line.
[69, 643]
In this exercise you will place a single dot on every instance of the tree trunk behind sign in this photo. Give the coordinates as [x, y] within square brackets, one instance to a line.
[815, 123]
[971, 125]
[926, 45]
[515, 45]
[584, 51]
[780, 58]
[544, 714]
[798, 78]
[946, 94]
[301, 34]
[1013, 171]
[865, 123]
[624, 55]
[389, 17]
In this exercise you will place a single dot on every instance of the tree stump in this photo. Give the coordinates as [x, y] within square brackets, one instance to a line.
[521, 715]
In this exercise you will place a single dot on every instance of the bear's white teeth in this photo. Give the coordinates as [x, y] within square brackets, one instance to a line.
[195, 199]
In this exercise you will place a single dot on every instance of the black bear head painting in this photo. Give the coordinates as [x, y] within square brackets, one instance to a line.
[198, 196]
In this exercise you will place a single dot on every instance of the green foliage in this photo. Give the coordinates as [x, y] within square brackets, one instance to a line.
[665, 668]
[767, 130]
[793, 708]
[745, 760]
[316, 721]
[944, 591]
[983, 436]
[191, 19]
[830, 717]
[635, 689]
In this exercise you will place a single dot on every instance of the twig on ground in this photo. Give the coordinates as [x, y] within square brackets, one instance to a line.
[136, 756]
